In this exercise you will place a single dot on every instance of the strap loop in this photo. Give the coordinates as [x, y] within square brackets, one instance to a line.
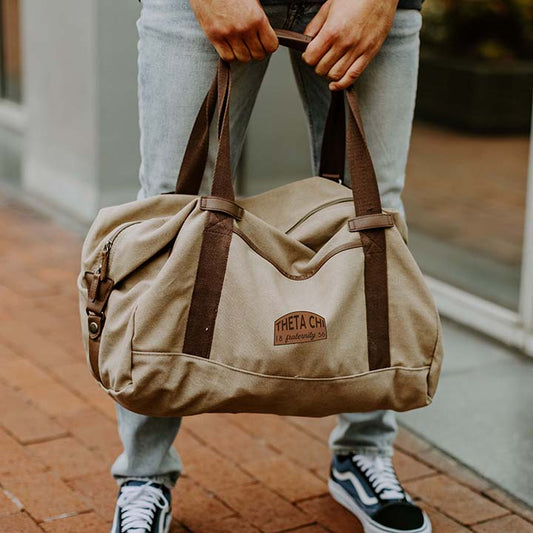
[212, 203]
[364, 222]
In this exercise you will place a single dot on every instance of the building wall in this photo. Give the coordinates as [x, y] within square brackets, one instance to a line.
[81, 146]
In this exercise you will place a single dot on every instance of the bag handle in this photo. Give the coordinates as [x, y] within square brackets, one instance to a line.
[333, 146]
[363, 179]
[218, 229]
[196, 153]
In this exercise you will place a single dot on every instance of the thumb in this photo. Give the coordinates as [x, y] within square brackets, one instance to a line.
[317, 21]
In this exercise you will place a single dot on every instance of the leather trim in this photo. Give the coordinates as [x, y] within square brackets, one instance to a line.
[292, 39]
[97, 297]
[212, 203]
[97, 322]
[99, 292]
[364, 222]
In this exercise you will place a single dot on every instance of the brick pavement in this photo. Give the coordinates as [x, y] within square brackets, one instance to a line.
[243, 473]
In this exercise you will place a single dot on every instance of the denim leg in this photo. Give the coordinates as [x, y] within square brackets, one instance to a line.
[386, 92]
[148, 451]
[176, 67]
[177, 64]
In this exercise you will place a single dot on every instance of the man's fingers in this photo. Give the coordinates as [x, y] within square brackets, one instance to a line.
[339, 69]
[241, 51]
[224, 50]
[317, 21]
[254, 45]
[351, 74]
[317, 48]
[328, 61]
[268, 38]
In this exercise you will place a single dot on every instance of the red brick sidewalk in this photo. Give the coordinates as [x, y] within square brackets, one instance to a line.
[243, 473]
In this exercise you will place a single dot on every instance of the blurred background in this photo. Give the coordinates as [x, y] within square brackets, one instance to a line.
[69, 145]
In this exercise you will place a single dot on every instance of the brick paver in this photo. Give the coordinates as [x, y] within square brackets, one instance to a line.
[81, 523]
[20, 522]
[7, 505]
[68, 457]
[328, 513]
[457, 501]
[265, 509]
[243, 473]
[507, 523]
[288, 479]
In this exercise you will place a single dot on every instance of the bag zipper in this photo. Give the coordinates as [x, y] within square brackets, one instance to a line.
[316, 210]
[103, 268]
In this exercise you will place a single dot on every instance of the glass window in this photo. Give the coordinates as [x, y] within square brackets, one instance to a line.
[467, 173]
[10, 55]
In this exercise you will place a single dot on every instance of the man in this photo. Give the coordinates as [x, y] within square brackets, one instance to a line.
[373, 42]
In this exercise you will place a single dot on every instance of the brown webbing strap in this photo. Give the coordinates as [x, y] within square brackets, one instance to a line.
[216, 240]
[208, 285]
[195, 156]
[367, 201]
[222, 184]
[332, 155]
[197, 150]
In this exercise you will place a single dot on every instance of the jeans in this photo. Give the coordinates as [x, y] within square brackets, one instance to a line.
[176, 66]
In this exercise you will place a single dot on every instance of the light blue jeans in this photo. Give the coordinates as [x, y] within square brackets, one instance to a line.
[176, 66]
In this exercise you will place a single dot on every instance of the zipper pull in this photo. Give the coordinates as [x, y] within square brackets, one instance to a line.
[93, 288]
[104, 265]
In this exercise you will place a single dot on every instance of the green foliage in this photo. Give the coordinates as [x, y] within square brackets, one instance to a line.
[496, 30]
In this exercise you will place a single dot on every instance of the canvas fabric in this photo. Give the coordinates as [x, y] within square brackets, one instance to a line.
[282, 303]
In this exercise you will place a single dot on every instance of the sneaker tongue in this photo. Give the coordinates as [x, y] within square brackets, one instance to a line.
[134, 483]
[138, 483]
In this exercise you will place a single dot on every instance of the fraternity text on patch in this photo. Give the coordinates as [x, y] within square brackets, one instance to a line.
[299, 326]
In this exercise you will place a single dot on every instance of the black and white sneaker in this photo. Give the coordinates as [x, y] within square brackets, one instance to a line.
[142, 507]
[368, 487]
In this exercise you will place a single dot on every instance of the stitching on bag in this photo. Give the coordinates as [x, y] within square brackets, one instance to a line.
[212, 227]
[325, 259]
[292, 378]
[372, 248]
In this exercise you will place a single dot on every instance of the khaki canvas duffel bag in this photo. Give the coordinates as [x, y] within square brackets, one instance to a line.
[303, 300]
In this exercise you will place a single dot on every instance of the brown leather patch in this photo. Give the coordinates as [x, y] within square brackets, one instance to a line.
[299, 326]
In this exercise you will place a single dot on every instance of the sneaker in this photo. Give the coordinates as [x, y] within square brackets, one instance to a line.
[368, 487]
[142, 507]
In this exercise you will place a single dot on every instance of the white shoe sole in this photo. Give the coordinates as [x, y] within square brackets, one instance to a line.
[369, 525]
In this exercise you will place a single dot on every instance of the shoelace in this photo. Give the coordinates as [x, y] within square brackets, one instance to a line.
[381, 475]
[138, 504]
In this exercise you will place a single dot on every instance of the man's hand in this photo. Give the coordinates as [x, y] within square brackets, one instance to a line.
[238, 29]
[347, 34]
